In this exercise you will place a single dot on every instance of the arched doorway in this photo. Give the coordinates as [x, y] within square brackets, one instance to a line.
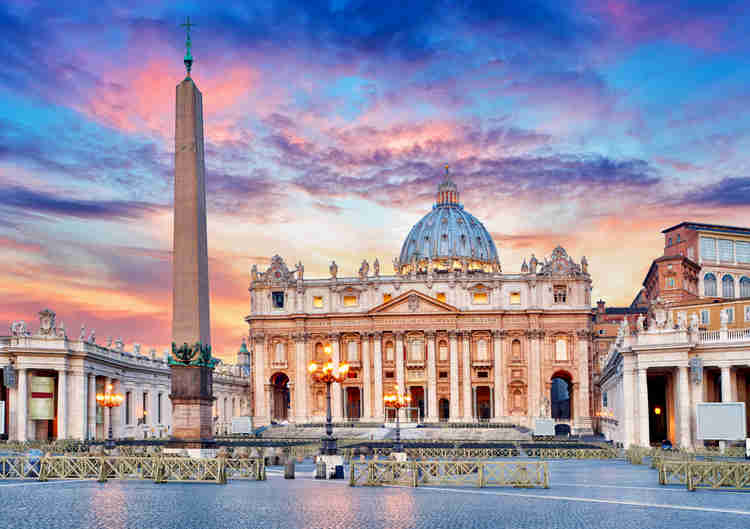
[280, 397]
[445, 409]
[353, 403]
[561, 396]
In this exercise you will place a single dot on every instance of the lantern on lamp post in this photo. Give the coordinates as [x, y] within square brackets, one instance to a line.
[397, 401]
[328, 373]
[110, 400]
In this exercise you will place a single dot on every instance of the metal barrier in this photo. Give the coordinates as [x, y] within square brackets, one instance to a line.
[429, 473]
[158, 469]
[493, 453]
[705, 474]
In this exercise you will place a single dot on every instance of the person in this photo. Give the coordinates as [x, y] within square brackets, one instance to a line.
[666, 444]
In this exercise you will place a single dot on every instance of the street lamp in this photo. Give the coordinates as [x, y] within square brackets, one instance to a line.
[110, 400]
[397, 401]
[328, 373]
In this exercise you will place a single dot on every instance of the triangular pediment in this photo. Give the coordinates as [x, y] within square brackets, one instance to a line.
[413, 302]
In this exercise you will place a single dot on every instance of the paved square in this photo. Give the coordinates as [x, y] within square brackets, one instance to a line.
[584, 494]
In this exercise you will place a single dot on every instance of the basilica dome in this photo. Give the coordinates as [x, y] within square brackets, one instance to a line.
[448, 237]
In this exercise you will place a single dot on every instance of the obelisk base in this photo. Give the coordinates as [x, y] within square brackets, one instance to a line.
[192, 410]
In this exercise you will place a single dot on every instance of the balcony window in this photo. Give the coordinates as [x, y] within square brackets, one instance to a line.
[561, 294]
[350, 301]
[481, 298]
[352, 352]
[416, 351]
[443, 351]
[278, 300]
[515, 298]
[318, 302]
[561, 350]
[280, 353]
[482, 354]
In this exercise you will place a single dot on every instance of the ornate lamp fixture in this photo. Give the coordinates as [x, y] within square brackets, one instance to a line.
[110, 400]
[397, 401]
[328, 373]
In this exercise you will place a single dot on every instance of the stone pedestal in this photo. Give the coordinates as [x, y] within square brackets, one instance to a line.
[192, 407]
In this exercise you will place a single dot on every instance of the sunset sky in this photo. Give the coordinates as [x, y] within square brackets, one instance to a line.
[592, 124]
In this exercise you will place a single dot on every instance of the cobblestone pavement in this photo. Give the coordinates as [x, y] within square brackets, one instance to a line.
[583, 494]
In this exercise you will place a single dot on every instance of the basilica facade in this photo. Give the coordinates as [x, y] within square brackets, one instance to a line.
[466, 340]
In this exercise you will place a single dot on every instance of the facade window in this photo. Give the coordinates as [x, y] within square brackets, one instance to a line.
[743, 251]
[128, 406]
[483, 374]
[691, 253]
[709, 286]
[481, 298]
[318, 302]
[515, 298]
[730, 314]
[705, 317]
[278, 300]
[669, 242]
[443, 374]
[727, 286]
[561, 350]
[158, 408]
[515, 350]
[678, 237]
[604, 399]
[352, 352]
[708, 248]
[745, 287]
[560, 294]
[670, 282]
[441, 297]
[389, 351]
[387, 298]
[350, 301]
[415, 351]
[145, 407]
[482, 354]
[389, 374]
[726, 250]
[602, 332]
[280, 353]
[443, 351]
[747, 313]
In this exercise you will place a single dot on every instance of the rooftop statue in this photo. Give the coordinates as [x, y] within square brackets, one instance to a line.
[333, 269]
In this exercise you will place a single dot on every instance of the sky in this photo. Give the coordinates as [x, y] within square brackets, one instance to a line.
[593, 124]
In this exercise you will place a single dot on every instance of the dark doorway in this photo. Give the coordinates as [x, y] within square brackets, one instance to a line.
[658, 411]
[560, 397]
[445, 409]
[562, 429]
[353, 404]
[280, 398]
[483, 397]
[417, 401]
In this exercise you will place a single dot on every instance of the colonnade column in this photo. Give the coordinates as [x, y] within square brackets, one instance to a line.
[377, 366]
[645, 439]
[259, 341]
[628, 403]
[301, 381]
[336, 397]
[432, 405]
[80, 394]
[22, 419]
[467, 393]
[92, 406]
[366, 376]
[454, 414]
[583, 404]
[498, 372]
[726, 384]
[684, 406]
[107, 415]
[62, 404]
[400, 375]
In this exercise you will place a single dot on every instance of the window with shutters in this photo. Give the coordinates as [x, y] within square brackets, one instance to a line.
[743, 251]
[745, 287]
[709, 286]
[708, 248]
[705, 317]
[727, 286]
[726, 250]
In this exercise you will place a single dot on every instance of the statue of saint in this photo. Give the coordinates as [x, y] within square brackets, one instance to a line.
[532, 264]
[376, 267]
[82, 335]
[300, 269]
[364, 269]
[333, 269]
[254, 273]
[641, 319]
[584, 265]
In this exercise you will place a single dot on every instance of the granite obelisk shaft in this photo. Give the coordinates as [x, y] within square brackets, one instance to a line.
[190, 317]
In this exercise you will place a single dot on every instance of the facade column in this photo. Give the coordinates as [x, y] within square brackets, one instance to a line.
[400, 375]
[92, 406]
[22, 406]
[336, 397]
[628, 393]
[377, 366]
[80, 394]
[454, 414]
[468, 415]
[259, 372]
[684, 406]
[697, 396]
[583, 404]
[301, 380]
[366, 376]
[726, 384]
[432, 404]
[497, 349]
[62, 404]
[643, 426]
[536, 337]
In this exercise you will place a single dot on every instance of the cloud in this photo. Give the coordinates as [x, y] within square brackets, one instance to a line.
[728, 192]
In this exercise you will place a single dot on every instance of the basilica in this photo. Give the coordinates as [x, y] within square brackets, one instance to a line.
[466, 340]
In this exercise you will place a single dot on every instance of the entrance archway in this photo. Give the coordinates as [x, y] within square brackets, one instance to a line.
[483, 397]
[444, 409]
[353, 403]
[561, 396]
[417, 401]
[280, 397]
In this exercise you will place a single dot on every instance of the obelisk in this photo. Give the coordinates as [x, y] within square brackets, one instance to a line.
[191, 362]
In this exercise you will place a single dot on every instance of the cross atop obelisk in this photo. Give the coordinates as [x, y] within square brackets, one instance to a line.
[188, 56]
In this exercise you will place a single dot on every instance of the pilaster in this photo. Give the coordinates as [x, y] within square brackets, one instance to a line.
[377, 365]
[498, 343]
[454, 413]
[468, 415]
[432, 404]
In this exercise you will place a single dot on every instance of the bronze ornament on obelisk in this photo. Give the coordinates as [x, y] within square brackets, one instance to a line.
[191, 362]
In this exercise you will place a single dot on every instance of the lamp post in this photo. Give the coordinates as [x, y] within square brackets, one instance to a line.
[397, 401]
[110, 400]
[328, 373]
